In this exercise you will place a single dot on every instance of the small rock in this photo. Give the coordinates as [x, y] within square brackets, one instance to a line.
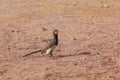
[47, 69]
[36, 38]
[101, 1]
[87, 52]
[109, 59]
[44, 29]
[8, 48]
[26, 48]
[1, 73]
[98, 53]
[118, 42]
[76, 63]
[106, 6]
[58, 50]
[17, 31]
[13, 31]
[74, 38]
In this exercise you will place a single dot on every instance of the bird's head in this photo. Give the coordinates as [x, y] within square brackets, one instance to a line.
[55, 32]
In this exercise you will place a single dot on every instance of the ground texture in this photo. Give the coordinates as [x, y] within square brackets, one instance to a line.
[89, 39]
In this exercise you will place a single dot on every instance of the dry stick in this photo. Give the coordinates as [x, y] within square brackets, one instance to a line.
[31, 53]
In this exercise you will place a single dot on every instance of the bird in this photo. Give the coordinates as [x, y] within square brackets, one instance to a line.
[48, 49]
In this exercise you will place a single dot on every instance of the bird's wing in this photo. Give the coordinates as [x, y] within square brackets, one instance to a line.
[50, 44]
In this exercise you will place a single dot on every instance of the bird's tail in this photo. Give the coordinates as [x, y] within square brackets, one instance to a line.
[31, 53]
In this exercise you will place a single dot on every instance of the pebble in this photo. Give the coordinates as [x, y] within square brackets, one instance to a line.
[106, 6]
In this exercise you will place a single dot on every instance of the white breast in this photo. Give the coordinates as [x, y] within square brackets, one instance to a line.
[50, 50]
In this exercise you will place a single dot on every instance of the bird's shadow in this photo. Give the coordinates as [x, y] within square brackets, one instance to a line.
[72, 55]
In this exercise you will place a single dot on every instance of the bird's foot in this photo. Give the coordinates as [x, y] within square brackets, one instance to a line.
[50, 55]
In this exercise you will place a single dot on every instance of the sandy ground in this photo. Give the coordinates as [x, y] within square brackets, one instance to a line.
[89, 39]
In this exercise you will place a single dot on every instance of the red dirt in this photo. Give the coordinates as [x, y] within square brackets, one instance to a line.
[89, 39]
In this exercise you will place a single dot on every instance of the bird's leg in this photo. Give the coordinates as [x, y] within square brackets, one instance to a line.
[51, 53]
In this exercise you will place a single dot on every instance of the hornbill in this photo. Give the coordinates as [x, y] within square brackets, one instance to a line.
[50, 47]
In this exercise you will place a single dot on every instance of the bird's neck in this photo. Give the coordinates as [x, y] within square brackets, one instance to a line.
[56, 38]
